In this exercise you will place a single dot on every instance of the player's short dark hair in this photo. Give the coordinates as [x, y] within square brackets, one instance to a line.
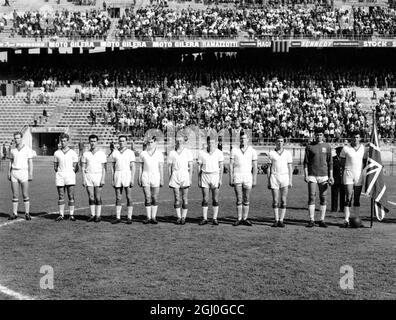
[355, 133]
[242, 133]
[93, 136]
[122, 136]
[18, 133]
[63, 136]
[279, 137]
[210, 137]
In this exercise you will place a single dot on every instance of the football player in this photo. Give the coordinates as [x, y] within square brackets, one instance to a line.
[279, 179]
[94, 173]
[243, 177]
[318, 171]
[151, 178]
[180, 168]
[210, 176]
[123, 172]
[20, 172]
[65, 166]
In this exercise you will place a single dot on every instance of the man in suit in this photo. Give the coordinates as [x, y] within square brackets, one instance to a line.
[337, 189]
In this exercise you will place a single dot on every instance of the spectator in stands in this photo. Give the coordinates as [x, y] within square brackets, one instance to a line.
[337, 189]
[92, 115]
[7, 3]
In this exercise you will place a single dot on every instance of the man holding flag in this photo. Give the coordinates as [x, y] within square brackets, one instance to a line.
[353, 160]
[374, 184]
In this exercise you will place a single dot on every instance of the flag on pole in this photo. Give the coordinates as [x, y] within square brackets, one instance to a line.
[374, 185]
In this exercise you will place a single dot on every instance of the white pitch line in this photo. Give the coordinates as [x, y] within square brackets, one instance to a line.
[14, 294]
[394, 203]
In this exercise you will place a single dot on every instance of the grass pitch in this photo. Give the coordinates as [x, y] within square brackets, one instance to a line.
[167, 261]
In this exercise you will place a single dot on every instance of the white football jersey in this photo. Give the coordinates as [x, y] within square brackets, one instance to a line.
[123, 159]
[243, 160]
[210, 161]
[280, 161]
[180, 161]
[151, 161]
[94, 161]
[20, 158]
[65, 160]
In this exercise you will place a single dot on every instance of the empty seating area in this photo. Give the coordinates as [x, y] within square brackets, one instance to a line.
[15, 113]
[77, 118]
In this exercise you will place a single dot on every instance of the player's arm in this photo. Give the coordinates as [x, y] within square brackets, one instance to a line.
[342, 162]
[221, 168]
[170, 167]
[161, 170]
[330, 166]
[102, 181]
[190, 170]
[133, 169]
[365, 157]
[56, 166]
[30, 168]
[75, 166]
[10, 167]
[306, 160]
[254, 164]
[290, 166]
[232, 171]
[269, 171]
[84, 171]
[200, 165]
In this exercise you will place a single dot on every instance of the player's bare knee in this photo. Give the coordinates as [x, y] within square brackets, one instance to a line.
[275, 204]
[283, 205]
[177, 204]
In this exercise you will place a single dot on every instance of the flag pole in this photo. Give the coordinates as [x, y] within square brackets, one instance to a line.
[372, 199]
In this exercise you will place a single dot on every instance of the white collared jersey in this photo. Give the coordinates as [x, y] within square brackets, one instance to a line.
[20, 158]
[210, 161]
[354, 158]
[180, 161]
[123, 159]
[151, 161]
[243, 161]
[94, 161]
[65, 160]
[280, 162]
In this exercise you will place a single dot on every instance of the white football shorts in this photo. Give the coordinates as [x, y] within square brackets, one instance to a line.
[93, 179]
[122, 179]
[19, 176]
[180, 179]
[245, 179]
[279, 181]
[210, 180]
[65, 179]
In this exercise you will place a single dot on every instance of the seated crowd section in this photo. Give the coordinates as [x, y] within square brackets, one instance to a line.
[269, 101]
[147, 22]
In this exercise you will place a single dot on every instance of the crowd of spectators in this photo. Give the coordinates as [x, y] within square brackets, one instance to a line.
[386, 115]
[65, 23]
[159, 21]
[268, 106]
[272, 20]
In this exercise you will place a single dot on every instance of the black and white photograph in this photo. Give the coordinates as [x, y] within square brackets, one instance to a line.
[196, 156]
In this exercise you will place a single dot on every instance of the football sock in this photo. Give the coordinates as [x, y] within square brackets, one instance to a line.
[205, 213]
[118, 212]
[98, 210]
[322, 212]
[92, 208]
[178, 213]
[62, 210]
[215, 212]
[71, 208]
[245, 212]
[130, 211]
[239, 211]
[148, 212]
[27, 207]
[15, 208]
[311, 210]
[276, 214]
[154, 212]
[184, 213]
[282, 214]
[347, 213]
[357, 211]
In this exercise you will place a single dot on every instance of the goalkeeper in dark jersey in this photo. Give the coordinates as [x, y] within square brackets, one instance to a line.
[318, 170]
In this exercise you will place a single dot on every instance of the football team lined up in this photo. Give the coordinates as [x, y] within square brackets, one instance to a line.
[318, 172]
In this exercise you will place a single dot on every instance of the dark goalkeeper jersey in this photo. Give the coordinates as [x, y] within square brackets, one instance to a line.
[318, 159]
